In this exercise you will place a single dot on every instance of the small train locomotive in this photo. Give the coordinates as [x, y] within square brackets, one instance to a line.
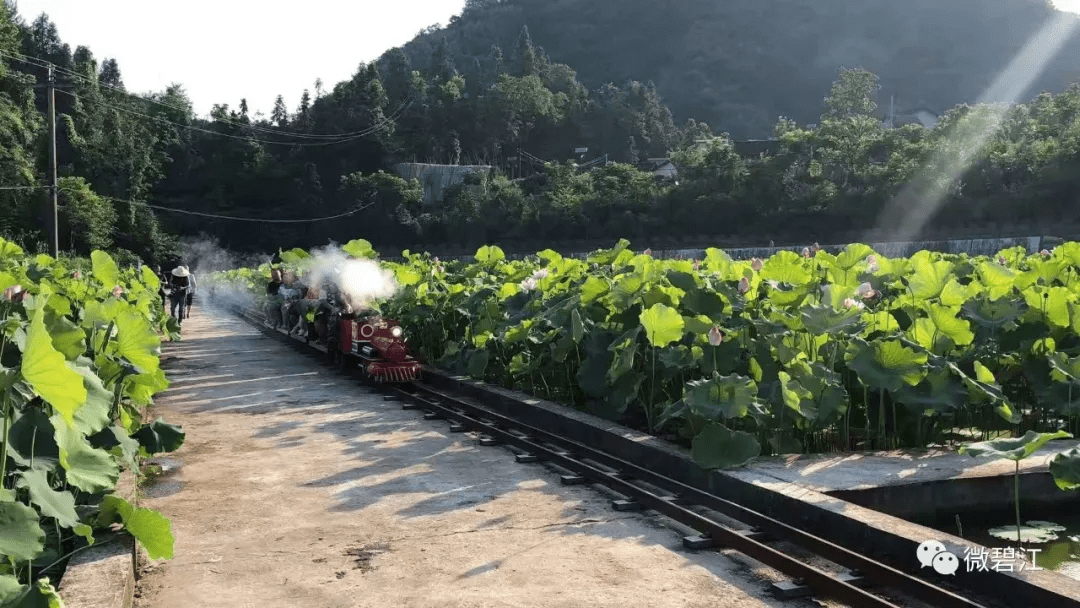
[376, 345]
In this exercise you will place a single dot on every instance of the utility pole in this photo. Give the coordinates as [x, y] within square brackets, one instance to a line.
[54, 228]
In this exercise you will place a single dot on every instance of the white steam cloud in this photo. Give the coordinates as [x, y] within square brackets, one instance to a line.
[362, 282]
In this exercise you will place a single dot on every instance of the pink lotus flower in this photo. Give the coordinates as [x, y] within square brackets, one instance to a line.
[1002, 260]
[14, 293]
[528, 284]
[76, 275]
[647, 252]
[866, 291]
[540, 274]
[805, 252]
[697, 265]
[117, 291]
[1044, 253]
[756, 264]
[744, 285]
[716, 337]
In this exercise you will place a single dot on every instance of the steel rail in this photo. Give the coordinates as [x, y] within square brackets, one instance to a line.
[571, 455]
[869, 568]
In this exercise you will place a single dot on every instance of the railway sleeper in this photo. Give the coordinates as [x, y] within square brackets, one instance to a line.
[789, 590]
[704, 541]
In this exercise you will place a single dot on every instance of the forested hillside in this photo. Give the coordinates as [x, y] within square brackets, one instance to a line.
[136, 168]
[740, 64]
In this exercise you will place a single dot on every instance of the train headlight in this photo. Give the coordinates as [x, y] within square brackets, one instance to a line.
[396, 332]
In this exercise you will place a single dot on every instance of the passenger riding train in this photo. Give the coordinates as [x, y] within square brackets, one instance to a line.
[374, 344]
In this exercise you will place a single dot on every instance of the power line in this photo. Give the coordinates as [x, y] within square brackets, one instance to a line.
[227, 217]
[84, 78]
[251, 139]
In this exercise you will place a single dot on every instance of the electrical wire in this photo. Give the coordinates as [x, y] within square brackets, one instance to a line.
[252, 127]
[231, 217]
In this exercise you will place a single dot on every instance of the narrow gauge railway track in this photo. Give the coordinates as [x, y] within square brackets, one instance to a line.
[645, 489]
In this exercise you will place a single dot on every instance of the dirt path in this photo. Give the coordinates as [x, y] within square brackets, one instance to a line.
[297, 487]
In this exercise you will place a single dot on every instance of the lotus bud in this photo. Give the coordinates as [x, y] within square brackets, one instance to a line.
[697, 265]
[647, 252]
[1002, 260]
[871, 263]
[744, 285]
[866, 291]
[14, 293]
[117, 291]
[76, 275]
[716, 337]
[805, 252]
[756, 264]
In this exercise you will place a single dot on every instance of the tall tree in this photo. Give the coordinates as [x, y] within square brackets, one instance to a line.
[279, 115]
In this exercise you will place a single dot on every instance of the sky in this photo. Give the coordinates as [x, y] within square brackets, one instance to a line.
[225, 50]
[1070, 6]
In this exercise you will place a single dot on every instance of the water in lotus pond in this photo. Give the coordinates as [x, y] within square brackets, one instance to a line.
[1055, 539]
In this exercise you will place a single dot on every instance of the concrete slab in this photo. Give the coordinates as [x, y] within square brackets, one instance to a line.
[299, 487]
[829, 473]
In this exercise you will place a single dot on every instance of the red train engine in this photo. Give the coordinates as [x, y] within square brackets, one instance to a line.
[377, 345]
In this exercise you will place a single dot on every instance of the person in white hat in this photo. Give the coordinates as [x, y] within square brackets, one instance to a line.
[182, 282]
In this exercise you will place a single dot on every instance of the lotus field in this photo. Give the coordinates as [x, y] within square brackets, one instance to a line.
[796, 353]
[78, 360]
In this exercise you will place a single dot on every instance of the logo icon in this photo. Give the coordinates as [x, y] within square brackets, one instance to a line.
[946, 563]
[932, 554]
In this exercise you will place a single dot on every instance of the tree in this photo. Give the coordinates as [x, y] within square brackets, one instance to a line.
[852, 94]
[279, 115]
[110, 74]
[525, 59]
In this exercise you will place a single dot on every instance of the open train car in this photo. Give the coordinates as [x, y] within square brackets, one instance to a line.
[377, 346]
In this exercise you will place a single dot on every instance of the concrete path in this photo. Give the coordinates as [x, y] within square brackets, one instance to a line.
[297, 487]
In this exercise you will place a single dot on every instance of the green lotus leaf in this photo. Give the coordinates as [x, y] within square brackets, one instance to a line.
[1015, 449]
[827, 320]
[150, 528]
[105, 269]
[853, 255]
[489, 254]
[928, 278]
[46, 371]
[886, 364]
[159, 437]
[1065, 467]
[786, 267]
[1033, 533]
[89, 469]
[718, 447]
[663, 325]
[359, 248]
[21, 536]
[721, 396]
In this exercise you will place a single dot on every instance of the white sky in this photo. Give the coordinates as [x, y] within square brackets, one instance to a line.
[1071, 6]
[224, 50]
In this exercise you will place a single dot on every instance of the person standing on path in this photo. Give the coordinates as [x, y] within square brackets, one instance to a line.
[182, 283]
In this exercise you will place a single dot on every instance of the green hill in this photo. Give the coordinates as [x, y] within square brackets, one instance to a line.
[740, 64]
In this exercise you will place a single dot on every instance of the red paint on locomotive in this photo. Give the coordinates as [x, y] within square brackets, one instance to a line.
[388, 358]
